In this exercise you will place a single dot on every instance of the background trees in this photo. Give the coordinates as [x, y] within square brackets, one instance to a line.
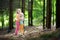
[36, 12]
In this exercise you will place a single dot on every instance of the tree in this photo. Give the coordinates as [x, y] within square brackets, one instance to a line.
[43, 13]
[23, 6]
[10, 15]
[30, 9]
[57, 13]
[48, 15]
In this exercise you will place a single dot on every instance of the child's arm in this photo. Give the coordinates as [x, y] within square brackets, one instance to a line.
[22, 16]
[17, 17]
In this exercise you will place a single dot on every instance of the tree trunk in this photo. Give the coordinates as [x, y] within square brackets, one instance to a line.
[30, 9]
[44, 14]
[10, 15]
[48, 15]
[57, 13]
[23, 6]
[31, 12]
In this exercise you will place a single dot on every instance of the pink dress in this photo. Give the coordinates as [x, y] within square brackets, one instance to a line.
[17, 24]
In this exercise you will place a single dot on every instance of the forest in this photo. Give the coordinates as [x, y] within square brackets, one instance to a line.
[37, 13]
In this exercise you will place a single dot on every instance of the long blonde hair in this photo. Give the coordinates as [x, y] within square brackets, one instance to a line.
[18, 10]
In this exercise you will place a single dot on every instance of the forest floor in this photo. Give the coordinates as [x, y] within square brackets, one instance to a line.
[30, 32]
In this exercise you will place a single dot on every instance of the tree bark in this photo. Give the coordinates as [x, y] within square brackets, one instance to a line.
[10, 14]
[30, 9]
[23, 6]
[44, 14]
[57, 13]
[48, 15]
[31, 12]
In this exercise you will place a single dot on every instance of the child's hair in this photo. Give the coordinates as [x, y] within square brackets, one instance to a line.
[18, 10]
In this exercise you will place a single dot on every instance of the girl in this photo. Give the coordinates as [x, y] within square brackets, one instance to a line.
[17, 21]
[21, 23]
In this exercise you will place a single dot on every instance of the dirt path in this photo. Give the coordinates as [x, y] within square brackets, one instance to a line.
[30, 32]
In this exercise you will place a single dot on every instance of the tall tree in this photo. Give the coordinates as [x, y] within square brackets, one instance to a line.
[48, 15]
[44, 14]
[23, 6]
[10, 14]
[30, 9]
[57, 13]
[31, 12]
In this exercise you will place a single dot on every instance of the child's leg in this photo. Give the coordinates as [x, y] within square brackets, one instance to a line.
[17, 28]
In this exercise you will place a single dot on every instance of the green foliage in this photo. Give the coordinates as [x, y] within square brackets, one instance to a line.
[37, 12]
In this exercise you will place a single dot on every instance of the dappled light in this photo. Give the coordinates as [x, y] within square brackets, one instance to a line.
[29, 19]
